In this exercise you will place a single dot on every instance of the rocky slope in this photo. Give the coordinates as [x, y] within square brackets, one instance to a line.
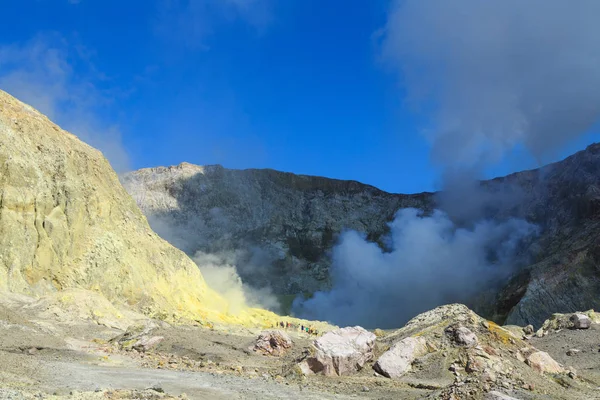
[279, 227]
[67, 223]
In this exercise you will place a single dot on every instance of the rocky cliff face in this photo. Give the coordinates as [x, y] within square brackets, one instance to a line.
[66, 222]
[279, 227]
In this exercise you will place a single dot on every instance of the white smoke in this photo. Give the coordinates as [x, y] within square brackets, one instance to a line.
[491, 76]
[221, 275]
[431, 262]
[496, 74]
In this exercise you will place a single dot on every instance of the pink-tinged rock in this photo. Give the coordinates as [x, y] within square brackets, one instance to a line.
[398, 359]
[146, 343]
[342, 352]
[543, 363]
[274, 343]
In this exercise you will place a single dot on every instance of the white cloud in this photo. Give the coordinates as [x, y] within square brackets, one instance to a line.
[59, 80]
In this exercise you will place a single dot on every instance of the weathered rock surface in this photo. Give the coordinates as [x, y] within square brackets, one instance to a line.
[66, 222]
[544, 363]
[341, 352]
[580, 321]
[499, 362]
[398, 360]
[278, 226]
[138, 337]
[462, 336]
[290, 222]
[568, 321]
[274, 343]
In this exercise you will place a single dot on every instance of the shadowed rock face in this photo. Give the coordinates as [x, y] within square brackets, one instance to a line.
[279, 227]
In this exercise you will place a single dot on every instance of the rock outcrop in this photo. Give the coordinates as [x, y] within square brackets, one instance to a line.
[278, 226]
[273, 343]
[341, 352]
[468, 356]
[66, 222]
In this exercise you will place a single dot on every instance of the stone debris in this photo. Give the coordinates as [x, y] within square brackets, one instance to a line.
[398, 360]
[462, 336]
[572, 352]
[580, 321]
[528, 330]
[544, 363]
[138, 338]
[274, 343]
[341, 352]
[494, 395]
[146, 343]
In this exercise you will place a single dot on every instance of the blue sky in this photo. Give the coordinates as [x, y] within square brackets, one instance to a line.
[298, 86]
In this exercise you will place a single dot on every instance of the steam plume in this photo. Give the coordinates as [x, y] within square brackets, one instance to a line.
[432, 262]
[492, 76]
[497, 74]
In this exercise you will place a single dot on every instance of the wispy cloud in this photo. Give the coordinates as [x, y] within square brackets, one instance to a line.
[60, 80]
[192, 22]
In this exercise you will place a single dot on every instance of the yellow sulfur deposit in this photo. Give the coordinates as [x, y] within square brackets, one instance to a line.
[67, 223]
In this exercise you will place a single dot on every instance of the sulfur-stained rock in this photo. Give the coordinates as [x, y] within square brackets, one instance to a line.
[66, 222]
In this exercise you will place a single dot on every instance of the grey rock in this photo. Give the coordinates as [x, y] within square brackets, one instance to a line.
[580, 321]
[528, 330]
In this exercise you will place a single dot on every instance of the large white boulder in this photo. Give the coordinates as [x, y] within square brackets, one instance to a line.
[399, 358]
[341, 352]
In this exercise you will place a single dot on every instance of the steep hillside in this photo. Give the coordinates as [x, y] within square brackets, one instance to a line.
[67, 223]
[279, 227]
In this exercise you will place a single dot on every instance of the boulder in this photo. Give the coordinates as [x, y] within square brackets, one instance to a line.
[341, 352]
[544, 363]
[138, 337]
[274, 343]
[528, 330]
[580, 321]
[462, 336]
[146, 343]
[398, 360]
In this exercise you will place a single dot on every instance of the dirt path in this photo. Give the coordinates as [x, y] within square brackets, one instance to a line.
[196, 385]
